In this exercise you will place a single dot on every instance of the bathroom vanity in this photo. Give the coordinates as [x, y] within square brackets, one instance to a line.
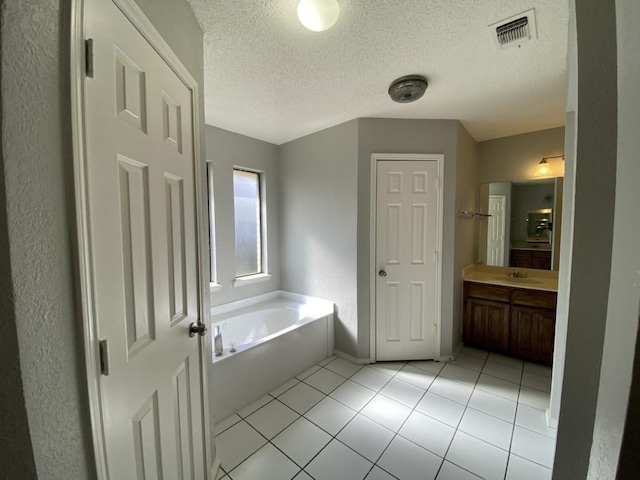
[514, 316]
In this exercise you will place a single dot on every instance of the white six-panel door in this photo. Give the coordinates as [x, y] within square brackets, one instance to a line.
[143, 238]
[496, 230]
[407, 229]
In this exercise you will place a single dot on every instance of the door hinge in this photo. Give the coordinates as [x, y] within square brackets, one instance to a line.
[88, 57]
[104, 357]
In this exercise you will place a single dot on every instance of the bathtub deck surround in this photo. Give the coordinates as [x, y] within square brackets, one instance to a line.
[479, 417]
[275, 337]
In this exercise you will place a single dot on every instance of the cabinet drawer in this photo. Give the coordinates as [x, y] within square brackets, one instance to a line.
[488, 292]
[534, 298]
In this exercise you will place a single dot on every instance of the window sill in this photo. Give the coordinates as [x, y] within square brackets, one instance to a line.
[214, 287]
[251, 279]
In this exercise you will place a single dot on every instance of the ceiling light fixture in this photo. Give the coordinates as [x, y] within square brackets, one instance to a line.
[318, 15]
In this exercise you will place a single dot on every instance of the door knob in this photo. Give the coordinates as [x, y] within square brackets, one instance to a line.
[382, 273]
[197, 328]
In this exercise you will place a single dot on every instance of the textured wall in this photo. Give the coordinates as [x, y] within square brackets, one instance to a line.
[318, 208]
[465, 235]
[513, 159]
[407, 136]
[224, 151]
[621, 338]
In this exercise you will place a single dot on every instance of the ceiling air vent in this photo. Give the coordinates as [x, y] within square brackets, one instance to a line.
[516, 30]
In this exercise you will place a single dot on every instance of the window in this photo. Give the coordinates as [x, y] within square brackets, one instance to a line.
[248, 222]
[214, 286]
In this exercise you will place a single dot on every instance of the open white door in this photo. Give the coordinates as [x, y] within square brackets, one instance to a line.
[496, 231]
[142, 252]
[408, 227]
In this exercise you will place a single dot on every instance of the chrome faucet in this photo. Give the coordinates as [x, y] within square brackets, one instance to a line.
[217, 341]
[517, 274]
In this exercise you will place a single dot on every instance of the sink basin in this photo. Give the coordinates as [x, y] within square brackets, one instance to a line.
[524, 281]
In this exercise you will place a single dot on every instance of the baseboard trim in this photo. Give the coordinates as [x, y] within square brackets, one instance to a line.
[352, 359]
[456, 352]
[551, 422]
[215, 469]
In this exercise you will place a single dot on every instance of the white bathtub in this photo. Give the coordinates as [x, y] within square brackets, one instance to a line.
[277, 336]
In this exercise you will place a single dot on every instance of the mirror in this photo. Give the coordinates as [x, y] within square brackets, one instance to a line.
[520, 230]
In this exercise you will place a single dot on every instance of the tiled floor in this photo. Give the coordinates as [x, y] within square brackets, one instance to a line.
[482, 417]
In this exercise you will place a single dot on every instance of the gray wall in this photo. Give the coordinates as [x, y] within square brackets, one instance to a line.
[318, 207]
[595, 190]
[465, 234]
[39, 220]
[624, 294]
[515, 158]
[224, 151]
[408, 136]
[525, 198]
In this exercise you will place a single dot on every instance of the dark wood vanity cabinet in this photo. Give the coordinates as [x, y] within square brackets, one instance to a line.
[540, 259]
[515, 321]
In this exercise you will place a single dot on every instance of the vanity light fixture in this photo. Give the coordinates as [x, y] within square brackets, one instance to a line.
[544, 169]
[318, 15]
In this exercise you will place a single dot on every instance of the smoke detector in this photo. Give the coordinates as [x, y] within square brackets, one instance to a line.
[515, 31]
[408, 89]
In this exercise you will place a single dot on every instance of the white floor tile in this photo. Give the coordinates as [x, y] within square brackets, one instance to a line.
[301, 441]
[390, 368]
[261, 402]
[226, 423]
[537, 382]
[327, 360]
[460, 374]
[428, 433]
[371, 378]
[221, 475]
[534, 398]
[268, 462]
[386, 412]
[470, 362]
[440, 408]
[449, 471]
[402, 392]
[324, 380]
[479, 457]
[430, 366]
[503, 372]
[505, 360]
[301, 397]
[307, 372]
[533, 446]
[415, 376]
[236, 444]
[485, 427]
[522, 469]
[330, 415]
[272, 419]
[493, 405]
[406, 460]
[353, 395]
[343, 367]
[303, 476]
[537, 369]
[377, 473]
[534, 419]
[502, 388]
[452, 390]
[475, 352]
[366, 437]
[338, 461]
[283, 388]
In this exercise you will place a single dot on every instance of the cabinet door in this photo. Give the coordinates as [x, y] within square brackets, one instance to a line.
[532, 333]
[521, 259]
[542, 260]
[486, 324]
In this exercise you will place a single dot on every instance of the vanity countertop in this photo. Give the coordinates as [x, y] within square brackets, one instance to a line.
[536, 279]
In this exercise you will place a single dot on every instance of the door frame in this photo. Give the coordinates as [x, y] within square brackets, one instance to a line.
[82, 253]
[375, 158]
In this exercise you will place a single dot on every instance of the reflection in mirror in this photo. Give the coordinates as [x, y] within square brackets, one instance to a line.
[520, 231]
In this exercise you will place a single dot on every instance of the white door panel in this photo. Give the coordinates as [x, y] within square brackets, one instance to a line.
[496, 231]
[142, 221]
[406, 258]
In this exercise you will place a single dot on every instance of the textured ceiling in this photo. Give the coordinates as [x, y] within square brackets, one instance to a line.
[268, 77]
